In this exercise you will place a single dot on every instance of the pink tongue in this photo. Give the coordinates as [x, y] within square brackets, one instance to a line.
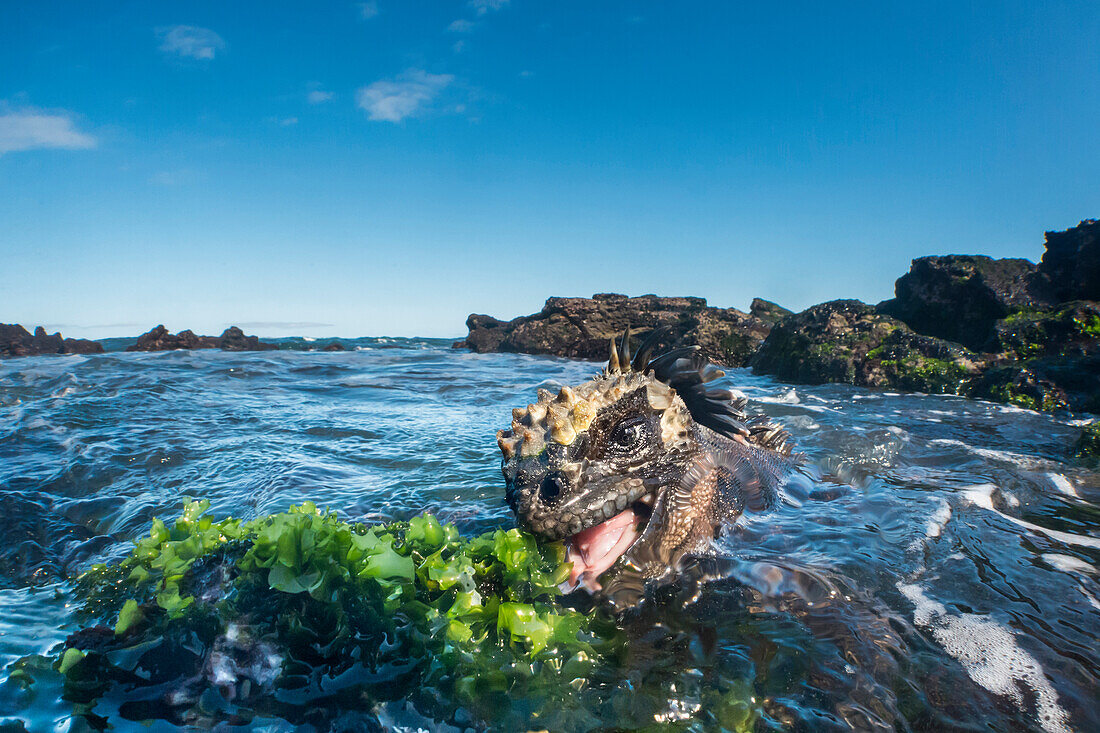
[597, 548]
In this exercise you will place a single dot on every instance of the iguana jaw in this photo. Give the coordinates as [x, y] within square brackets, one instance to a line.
[595, 550]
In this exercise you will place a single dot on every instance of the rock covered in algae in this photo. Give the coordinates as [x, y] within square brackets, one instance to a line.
[302, 618]
[1087, 448]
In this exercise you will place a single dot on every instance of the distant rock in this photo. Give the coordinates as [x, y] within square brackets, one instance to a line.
[1072, 262]
[232, 339]
[961, 297]
[335, 346]
[582, 327]
[17, 341]
[82, 346]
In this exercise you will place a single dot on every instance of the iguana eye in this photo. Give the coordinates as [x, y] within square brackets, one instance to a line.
[629, 434]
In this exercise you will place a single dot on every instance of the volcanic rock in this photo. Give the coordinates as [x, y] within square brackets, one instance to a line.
[1072, 262]
[768, 311]
[961, 297]
[582, 327]
[17, 341]
[848, 341]
[232, 339]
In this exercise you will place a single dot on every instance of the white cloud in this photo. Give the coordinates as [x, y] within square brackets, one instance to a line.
[368, 10]
[288, 121]
[484, 6]
[30, 129]
[408, 94]
[461, 26]
[318, 96]
[190, 41]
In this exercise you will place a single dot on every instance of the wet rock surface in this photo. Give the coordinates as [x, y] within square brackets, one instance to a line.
[232, 339]
[582, 327]
[961, 297]
[1072, 262]
[17, 341]
[849, 341]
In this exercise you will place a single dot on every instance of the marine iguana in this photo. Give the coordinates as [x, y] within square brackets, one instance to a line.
[645, 462]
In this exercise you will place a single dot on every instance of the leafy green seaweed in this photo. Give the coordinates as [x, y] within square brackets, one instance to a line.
[302, 606]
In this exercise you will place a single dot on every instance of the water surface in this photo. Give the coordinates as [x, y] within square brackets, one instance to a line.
[944, 575]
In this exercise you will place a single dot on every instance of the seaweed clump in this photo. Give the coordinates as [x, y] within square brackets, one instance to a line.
[1087, 448]
[304, 618]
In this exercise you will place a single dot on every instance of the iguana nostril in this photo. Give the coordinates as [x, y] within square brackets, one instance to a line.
[551, 487]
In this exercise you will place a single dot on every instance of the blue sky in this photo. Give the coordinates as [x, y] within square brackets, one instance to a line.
[386, 168]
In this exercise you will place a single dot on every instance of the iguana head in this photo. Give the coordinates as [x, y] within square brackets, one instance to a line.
[606, 465]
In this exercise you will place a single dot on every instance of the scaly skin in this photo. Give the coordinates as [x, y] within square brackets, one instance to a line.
[648, 437]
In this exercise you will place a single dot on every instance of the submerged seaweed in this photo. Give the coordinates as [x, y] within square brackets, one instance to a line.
[302, 617]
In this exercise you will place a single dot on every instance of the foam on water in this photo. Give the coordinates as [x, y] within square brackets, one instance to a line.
[990, 654]
[982, 495]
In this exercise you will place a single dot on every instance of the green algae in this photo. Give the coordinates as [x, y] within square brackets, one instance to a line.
[447, 621]
[302, 617]
[1087, 448]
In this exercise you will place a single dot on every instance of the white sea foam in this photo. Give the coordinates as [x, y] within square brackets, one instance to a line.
[1068, 563]
[937, 520]
[990, 655]
[1063, 484]
[982, 495]
[1017, 459]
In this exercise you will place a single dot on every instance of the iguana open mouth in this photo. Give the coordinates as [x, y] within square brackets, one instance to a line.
[595, 550]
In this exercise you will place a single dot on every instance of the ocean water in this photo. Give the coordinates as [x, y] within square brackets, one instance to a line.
[943, 575]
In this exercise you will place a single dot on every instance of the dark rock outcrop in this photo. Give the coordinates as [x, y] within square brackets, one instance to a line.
[1071, 262]
[335, 346]
[849, 341]
[1048, 360]
[581, 327]
[1056, 357]
[17, 341]
[232, 339]
[82, 346]
[961, 297]
[768, 311]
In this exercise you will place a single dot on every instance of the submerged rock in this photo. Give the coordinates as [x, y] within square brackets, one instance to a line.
[581, 327]
[961, 297]
[232, 339]
[17, 341]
